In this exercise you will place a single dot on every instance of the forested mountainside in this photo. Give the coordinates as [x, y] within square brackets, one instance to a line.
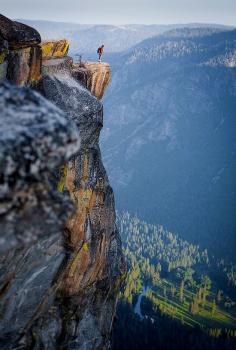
[169, 139]
[169, 142]
[85, 39]
[176, 295]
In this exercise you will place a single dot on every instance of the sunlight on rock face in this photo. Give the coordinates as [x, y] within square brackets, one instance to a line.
[61, 259]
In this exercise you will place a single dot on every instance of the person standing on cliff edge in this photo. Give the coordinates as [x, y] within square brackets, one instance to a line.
[100, 52]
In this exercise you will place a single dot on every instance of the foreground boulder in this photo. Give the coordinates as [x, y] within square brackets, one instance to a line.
[20, 54]
[35, 139]
[17, 34]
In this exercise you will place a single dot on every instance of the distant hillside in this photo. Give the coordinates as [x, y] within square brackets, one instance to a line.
[170, 134]
[174, 293]
[86, 38]
[169, 138]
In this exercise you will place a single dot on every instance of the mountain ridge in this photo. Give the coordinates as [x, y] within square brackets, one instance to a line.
[175, 116]
[85, 38]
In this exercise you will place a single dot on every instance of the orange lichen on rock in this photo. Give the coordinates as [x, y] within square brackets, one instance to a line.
[70, 254]
[35, 64]
[55, 48]
[95, 76]
[86, 199]
[83, 199]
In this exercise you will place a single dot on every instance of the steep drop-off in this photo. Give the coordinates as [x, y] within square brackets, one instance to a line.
[61, 261]
[171, 107]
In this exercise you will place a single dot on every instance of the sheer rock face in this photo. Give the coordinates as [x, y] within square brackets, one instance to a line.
[36, 137]
[55, 48]
[58, 290]
[95, 76]
[3, 49]
[24, 66]
[92, 277]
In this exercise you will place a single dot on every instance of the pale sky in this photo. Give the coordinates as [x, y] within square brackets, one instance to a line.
[123, 11]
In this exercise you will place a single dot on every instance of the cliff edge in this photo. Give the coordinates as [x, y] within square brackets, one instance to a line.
[61, 261]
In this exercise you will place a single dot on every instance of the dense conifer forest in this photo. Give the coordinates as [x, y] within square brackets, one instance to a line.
[176, 295]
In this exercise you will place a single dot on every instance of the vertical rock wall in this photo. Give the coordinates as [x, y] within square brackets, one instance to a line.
[58, 290]
[95, 257]
[35, 138]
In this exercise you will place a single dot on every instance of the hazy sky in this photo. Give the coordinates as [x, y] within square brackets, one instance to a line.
[123, 11]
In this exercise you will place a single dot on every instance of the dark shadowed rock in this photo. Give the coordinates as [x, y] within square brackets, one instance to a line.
[17, 34]
[3, 71]
[20, 54]
[35, 138]
[57, 291]
[58, 288]
[27, 279]
[92, 277]
[24, 66]
[3, 55]
[3, 49]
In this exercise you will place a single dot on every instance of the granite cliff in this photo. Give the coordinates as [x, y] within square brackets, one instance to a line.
[61, 261]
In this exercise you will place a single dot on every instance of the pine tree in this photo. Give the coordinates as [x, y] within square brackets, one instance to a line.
[181, 291]
[172, 290]
[199, 295]
[213, 308]
[194, 308]
[218, 296]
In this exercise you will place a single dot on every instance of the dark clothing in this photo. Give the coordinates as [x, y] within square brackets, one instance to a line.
[100, 51]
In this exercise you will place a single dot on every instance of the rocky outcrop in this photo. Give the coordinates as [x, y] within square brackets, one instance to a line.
[3, 49]
[20, 53]
[24, 66]
[58, 289]
[96, 264]
[36, 137]
[95, 76]
[18, 35]
[55, 48]
[57, 65]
